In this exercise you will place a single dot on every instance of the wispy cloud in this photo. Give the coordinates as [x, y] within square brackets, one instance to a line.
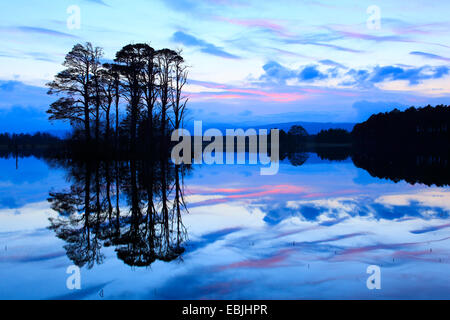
[227, 92]
[402, 27]
[245, 94]
[332, 63]
[101, 2]
[247, 193]
[385, 246]
[38, 30]
[371, 37]
[402, 37]
[33, 258]
[203, 8]
[429, 55]
[262, 24]
[205, 47]
[320, 40]
[273, 260]
[431, 229]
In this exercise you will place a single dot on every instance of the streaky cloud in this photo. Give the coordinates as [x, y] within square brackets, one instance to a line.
[38, 30]
[262, 24]
[205, 47]
[429, 55]
[101, 2]
[332, 63]
[321, 44]
[364, 36]
[431, 229]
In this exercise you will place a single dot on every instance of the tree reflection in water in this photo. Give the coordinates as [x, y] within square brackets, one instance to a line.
[135, 206]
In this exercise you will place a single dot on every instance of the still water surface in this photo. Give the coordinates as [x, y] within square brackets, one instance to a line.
[309, 232]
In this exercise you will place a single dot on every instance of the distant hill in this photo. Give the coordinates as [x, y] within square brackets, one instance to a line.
[310, 127]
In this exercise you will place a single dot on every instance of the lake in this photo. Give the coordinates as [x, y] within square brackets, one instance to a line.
[219, 232]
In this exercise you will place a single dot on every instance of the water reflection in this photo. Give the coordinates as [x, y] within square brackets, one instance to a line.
[429, 168]
[308, 232]
[151, 226]
[90, 214]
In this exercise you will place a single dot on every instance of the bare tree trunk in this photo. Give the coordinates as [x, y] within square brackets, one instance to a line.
[117, 114]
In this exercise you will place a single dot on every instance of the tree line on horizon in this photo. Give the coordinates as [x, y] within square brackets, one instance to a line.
[427, 122]
[132, 101]
[423, 128]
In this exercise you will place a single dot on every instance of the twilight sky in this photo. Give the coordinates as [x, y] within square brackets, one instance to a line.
[251, 61]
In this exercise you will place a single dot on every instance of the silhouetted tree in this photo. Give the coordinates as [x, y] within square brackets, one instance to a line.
[334, 136]
[76, 83]
[98, 94]
[166, 59]
[423, 128]
[150, 72]
[110, 92]
[178, 100]
[148, 83]
[131, 60]
[297, 135]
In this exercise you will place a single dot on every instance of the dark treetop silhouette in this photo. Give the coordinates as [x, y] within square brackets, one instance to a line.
[143, 87]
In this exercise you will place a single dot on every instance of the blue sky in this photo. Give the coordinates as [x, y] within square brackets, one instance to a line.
[250, 60]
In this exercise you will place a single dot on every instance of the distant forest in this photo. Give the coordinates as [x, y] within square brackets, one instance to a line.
[39, 144]
[424, 128]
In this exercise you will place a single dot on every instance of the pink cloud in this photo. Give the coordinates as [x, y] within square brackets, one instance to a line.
[271, 190]
[382, 246]
[230, 194]
[249, 94]
[273, 96]
[258, 23]
[245, 193]
[291, 232]
[224, 287]
[250, 191]
[272, 261]
[253, 94]
[208, 84]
